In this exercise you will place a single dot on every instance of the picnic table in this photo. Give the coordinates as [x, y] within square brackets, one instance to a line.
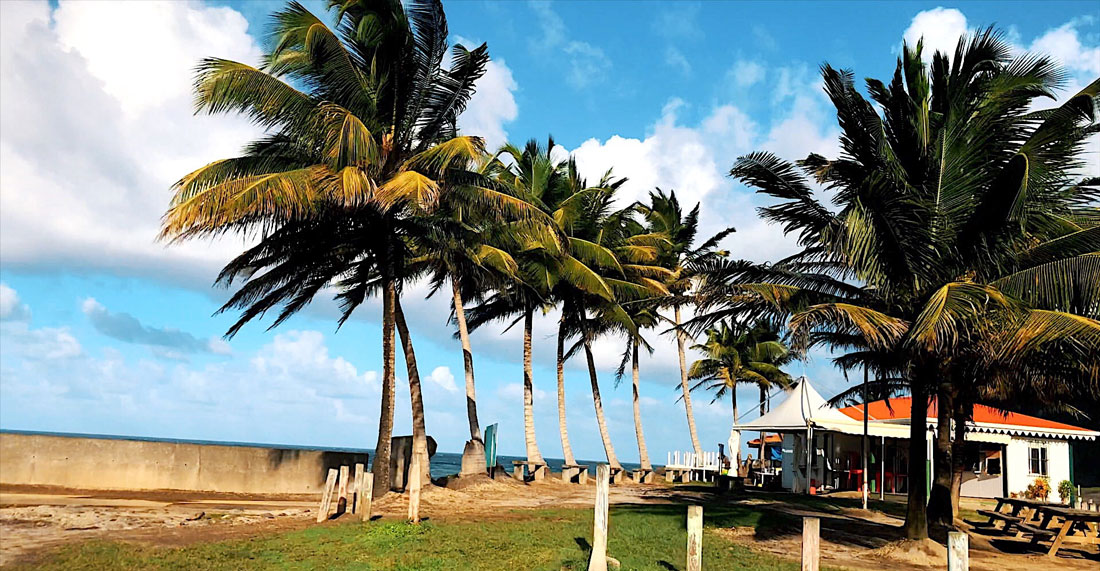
[1019, 511]
[1077, 526]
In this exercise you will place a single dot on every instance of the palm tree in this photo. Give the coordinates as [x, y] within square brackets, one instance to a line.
[663, 215]
[545, 259]
[360, 124]
[644, 316]
[735, 356]
[956, 184]
[460, 247]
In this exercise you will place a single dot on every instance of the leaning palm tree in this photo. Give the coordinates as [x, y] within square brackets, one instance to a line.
[736, 355]
[626, 255]
[644, 315]
[360, 132]
[546, 260]
[949, 189]
[664, 215]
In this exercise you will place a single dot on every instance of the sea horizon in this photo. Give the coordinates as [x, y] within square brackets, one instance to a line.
[443, 463]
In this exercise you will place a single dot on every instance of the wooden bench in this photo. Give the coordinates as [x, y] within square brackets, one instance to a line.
[1036, 532]
[574, 473]
[537, 470]
[995, 516]
[641, 476]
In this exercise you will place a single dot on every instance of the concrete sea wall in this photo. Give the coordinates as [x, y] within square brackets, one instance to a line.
[118, 464]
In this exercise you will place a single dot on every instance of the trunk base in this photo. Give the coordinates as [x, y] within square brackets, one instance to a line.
[473, 459]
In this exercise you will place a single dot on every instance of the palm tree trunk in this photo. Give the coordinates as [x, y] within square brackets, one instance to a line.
[763, 397]
[467, 363]
[916, 515]
[733, 400]
[939, 502]
[961, 413]
[566, 448]
[684, 388]
[380, 468]
[598, 402]
[533, 454]
[416, 399]
[643, 454]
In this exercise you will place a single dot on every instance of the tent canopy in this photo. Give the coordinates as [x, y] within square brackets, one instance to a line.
[805, 407]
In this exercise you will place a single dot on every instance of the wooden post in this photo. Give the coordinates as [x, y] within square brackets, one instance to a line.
[958, 551]
[342, 496]
[811, 543]
[414, 489]
[368, 493]
[695, 538]
[357, 490]
[598, 561]
[326, 496]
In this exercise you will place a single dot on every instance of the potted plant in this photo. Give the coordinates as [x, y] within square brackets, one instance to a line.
[1065, 490]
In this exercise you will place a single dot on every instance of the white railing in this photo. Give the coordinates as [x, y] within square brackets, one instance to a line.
[707, 461]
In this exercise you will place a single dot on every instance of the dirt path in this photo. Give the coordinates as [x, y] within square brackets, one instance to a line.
[34, 521]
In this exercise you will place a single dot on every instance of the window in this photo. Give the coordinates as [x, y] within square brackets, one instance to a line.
[1037, 465]
[993, 466]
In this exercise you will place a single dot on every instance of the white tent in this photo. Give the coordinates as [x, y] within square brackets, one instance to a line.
[804, 407]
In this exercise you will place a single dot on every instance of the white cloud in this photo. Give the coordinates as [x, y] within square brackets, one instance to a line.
[98, 124]
[492, 106]
[1064, 44]
[586, 64]
[940, 27]
[442, 377]
[746, 73]
[675, 58]
[11, 307]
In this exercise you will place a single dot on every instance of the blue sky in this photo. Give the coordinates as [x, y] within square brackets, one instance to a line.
[104, 330]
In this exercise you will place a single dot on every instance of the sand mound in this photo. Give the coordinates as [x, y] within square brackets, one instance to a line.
[925, 552]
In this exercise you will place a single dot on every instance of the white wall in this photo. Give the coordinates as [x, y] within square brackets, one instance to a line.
[1017, 466]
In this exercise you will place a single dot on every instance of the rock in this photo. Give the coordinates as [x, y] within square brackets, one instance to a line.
[473, 459]
[613, 563]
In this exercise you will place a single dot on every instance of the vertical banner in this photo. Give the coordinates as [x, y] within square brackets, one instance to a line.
[490, 446]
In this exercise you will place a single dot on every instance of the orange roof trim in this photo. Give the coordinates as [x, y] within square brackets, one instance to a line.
[900, 409]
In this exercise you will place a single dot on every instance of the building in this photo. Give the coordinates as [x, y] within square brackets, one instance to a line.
[1006, 451]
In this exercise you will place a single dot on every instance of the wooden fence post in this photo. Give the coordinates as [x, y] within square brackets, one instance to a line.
[326, 496]
[367, 492]
[811, 543]
[598, 560]
[958, 551]
[357, 489]
[342, 496]
[414, 489]
[695, 538]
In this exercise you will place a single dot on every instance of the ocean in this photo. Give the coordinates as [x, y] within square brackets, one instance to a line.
[443, 463]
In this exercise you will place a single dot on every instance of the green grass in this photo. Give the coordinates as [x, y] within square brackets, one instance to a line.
[641, 537]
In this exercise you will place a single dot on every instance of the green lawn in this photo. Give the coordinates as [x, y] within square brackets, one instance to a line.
[641, 537]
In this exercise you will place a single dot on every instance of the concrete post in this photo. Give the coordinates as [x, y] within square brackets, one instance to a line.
[811, 543]
[695, 538]
[958, 551]
[326, 496]
[598, 560]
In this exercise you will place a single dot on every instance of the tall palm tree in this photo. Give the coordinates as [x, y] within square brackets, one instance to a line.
[360, 124]
[644, 315]
[546, 260]
[664, 215]
[956, 184]
[733, 356]
[625, 254]
[462, 246]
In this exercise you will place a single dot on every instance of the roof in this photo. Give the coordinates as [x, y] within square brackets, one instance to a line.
[986, 419]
